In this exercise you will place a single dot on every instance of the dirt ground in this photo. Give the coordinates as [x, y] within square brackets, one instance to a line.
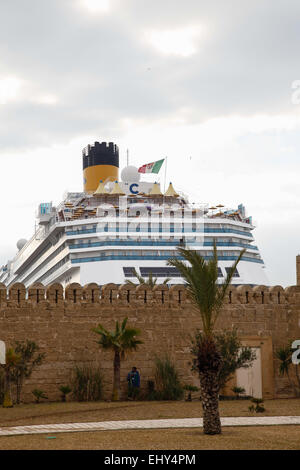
[232, 438]
[72, 412]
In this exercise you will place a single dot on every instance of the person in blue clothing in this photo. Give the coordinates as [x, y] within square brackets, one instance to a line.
[133, 379]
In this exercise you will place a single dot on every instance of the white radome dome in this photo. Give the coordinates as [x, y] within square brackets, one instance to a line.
[22, 242]
[130, 174]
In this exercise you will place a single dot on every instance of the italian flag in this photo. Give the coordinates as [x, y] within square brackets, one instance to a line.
[153, 167]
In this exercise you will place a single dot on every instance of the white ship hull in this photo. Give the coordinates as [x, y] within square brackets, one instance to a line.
[104, 236]
[104, 272]
[66, 255]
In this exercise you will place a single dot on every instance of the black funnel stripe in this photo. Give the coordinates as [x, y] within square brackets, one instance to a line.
[100, 154]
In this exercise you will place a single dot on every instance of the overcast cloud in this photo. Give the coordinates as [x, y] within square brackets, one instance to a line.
[207, 83]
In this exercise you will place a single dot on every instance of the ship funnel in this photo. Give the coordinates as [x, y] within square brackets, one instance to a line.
[100, 163]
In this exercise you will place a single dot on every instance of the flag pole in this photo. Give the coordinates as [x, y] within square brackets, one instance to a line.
[165, 174]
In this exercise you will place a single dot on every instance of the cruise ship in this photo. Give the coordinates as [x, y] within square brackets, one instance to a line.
[115, 228]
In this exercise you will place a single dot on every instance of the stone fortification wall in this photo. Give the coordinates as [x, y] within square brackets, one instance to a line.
[61, 321]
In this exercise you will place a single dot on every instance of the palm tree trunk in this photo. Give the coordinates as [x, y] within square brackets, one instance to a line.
[209, 387]
[116, 385]
[209, 365]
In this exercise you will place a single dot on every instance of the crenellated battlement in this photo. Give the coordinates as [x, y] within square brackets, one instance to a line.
[127, 294]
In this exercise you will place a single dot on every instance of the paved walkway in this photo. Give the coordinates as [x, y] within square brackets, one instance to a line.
[146, 424]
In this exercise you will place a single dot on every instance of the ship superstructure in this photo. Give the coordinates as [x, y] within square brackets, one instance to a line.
[116, 228]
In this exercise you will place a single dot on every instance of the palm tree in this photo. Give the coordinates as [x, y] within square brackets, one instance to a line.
[149, 282]
[207, 296]
[121, 340]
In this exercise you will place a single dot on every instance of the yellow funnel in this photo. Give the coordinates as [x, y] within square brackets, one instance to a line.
[100, 162]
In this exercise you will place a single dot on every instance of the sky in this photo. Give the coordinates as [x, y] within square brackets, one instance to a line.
[214, 86]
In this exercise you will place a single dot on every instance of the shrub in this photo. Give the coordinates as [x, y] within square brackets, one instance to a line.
[151, 392]
[39, 394]
[168, 386]
[190, 388]
[11, 360]
[238, 391]
[30, 358]
[65, 390]
[87, 383]
[259, 405]
[234, 355]
[284, 355]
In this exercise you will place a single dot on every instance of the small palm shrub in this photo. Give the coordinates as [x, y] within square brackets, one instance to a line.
[87, 383]
[238, 391]
[39, 394]
[190, 389]
[284, 355]
[258, 406]
[65, 390]
[168, 386]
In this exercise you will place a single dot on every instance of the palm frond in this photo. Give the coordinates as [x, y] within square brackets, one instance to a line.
[201, 281]
[124, 322]
[230, 274]
[119, 340]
